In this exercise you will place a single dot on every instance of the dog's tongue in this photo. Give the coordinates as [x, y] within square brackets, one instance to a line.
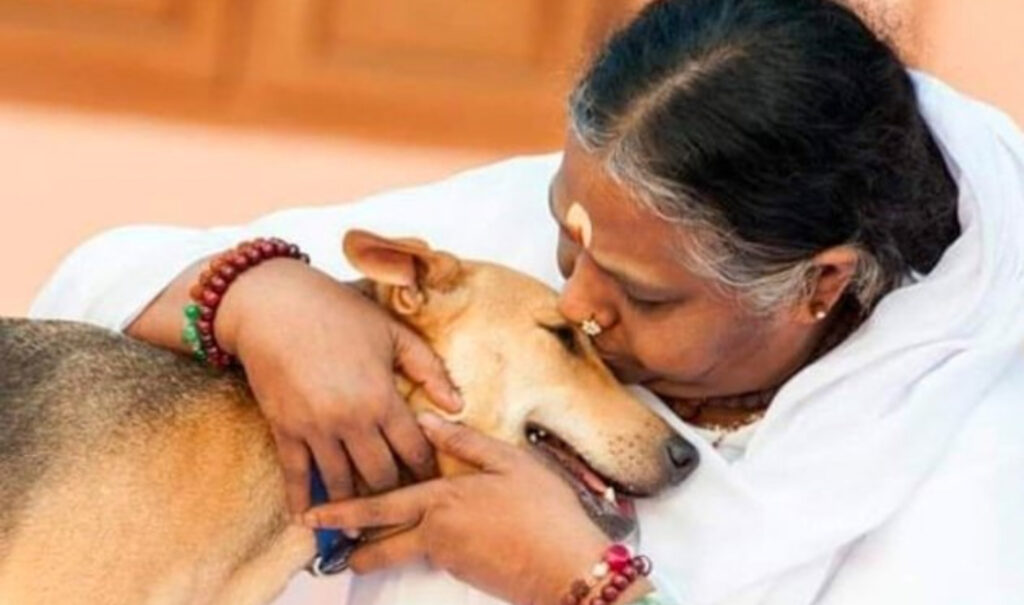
[597, 485]
[591, 479]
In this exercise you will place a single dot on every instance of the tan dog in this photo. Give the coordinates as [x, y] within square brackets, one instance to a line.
[130, 474]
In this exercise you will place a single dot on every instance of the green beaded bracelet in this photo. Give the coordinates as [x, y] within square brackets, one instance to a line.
[190, 333]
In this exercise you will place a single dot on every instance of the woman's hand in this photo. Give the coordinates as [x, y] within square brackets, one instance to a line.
[515, 530]
[321, 360]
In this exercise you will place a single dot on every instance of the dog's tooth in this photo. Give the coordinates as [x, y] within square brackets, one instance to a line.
[609, 495]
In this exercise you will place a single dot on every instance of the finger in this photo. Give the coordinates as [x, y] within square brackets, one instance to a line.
[294, 459]
[405, 506]
[372, 457]
[407, 440]
[392, 551]
[465, 443]
[335, 470]
[424, 367]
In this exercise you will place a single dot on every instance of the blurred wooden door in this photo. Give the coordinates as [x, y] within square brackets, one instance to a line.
[91, 49]
[489, 73]
[483, 69]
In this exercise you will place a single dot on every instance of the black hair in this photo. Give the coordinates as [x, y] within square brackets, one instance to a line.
[787, 126]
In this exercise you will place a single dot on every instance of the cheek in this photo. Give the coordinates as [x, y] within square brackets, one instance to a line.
[686, 343]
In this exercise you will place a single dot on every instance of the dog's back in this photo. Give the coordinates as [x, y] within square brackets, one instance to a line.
[89, 417]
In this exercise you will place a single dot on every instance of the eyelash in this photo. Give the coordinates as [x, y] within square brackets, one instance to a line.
[645, 305]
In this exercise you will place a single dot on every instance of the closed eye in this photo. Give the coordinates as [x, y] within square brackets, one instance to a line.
[567, 337]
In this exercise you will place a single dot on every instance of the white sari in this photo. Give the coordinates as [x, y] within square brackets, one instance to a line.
[889, 471]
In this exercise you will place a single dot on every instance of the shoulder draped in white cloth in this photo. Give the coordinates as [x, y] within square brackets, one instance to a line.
[889, 471]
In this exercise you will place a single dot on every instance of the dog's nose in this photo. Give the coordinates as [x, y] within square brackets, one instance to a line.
[683, 457]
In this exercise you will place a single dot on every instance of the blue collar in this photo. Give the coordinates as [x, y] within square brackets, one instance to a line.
[333, 548]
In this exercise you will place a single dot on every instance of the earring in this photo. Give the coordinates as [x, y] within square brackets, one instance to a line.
[590, 326]
[819, 311]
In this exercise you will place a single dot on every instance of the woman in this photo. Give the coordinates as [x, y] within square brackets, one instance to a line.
[813, 258]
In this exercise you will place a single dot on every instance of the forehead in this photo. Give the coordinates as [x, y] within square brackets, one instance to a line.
[625, 233]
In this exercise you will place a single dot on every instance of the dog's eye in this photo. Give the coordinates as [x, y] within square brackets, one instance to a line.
[567, 337]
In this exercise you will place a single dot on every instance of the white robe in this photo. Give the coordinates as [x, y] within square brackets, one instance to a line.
[889, 471]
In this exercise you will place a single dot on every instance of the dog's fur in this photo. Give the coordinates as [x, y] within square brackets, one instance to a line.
[131, 474]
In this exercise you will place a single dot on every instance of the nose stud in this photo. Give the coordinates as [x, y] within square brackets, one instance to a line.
[590, 327]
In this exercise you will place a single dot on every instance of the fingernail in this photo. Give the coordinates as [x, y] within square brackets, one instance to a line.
[351, 534]
[429, 420]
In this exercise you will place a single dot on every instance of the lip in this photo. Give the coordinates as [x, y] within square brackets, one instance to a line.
[609, 504]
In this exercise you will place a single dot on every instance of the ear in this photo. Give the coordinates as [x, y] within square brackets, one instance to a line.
[406, 264]
[834, 270]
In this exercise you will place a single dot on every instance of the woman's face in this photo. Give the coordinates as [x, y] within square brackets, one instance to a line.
[665, 327]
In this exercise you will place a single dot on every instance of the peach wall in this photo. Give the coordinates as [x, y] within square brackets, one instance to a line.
[977, 45]
[66, 176]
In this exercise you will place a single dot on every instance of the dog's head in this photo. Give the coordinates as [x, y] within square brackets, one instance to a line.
[528, 376]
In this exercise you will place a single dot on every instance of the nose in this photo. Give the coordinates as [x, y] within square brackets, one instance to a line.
[584, 295]
[683, 457]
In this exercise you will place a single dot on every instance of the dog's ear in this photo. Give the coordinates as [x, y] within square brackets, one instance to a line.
[407, 264]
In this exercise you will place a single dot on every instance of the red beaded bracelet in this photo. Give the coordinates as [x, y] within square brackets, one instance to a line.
[609, 578]
[214, 281]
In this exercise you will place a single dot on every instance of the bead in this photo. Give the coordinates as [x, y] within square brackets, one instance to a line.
[599, 570]
[196, 293]
[579, 589]
[199, 355]
[597, 601]
[206, 313]
[630, 572]
[610, 593]
[570, 600]
[217, 284]
[192, 311]
[642, 565]
[206, 340]
[189, 334]
[239, 261]
[253, 255]
[617, 556]
[620, 581]
[280, 247]
[204, 277]
[304, 258]
[227, 271]
[293, 250]
[210, 298]
[266, 248]
[204, 327]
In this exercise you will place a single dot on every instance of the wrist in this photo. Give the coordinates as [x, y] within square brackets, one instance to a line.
[616, 577]
[577, 562]
[247, 298]
[213, 341]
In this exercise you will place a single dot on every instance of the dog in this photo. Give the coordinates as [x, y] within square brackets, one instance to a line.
[132, 474]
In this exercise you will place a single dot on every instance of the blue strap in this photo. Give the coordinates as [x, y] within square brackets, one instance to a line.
[333, 548]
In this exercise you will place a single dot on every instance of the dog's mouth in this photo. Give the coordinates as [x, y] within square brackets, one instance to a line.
[609, 503]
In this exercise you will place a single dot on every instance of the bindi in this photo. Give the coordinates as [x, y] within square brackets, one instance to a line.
[578, 222]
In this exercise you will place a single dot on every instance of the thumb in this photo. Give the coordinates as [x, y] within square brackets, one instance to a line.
[424, 367]
[465, 443]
